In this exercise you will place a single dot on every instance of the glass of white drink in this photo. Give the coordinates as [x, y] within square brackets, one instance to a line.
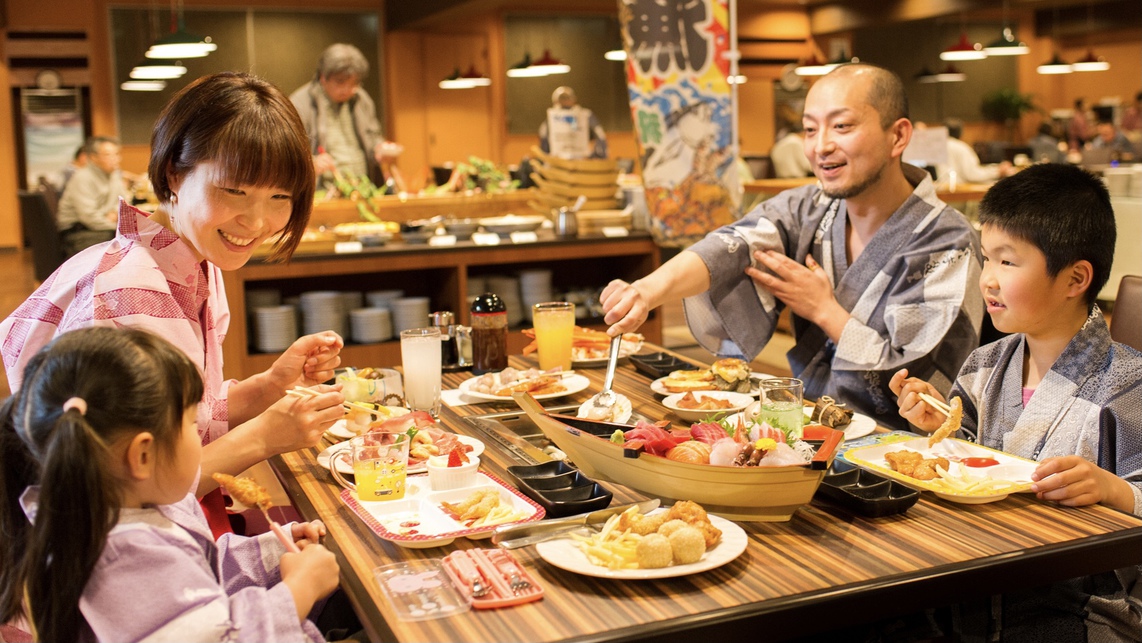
[420, 356]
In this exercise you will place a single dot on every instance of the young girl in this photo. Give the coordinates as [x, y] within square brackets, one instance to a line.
[103, 539]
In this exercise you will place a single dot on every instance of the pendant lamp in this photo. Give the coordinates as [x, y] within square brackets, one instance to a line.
[524, 69]
[1007, 45]
[1090, 63]
[143, 85]
[549, 65]
[964, 49]
[158, 70]
[180, 43]
[951, 74]
[616, 54]
[1055, 65]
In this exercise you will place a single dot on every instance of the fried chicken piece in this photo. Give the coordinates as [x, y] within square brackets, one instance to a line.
[903, 462]
[950, 425]
[245, 491]
[687, 511]
[926, 469]
[641, 524]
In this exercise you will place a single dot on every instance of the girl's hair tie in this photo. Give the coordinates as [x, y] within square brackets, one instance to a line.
[77, 403]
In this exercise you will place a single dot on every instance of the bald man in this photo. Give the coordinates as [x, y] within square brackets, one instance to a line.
[878, 273]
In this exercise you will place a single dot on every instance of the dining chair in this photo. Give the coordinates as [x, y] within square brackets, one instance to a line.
[1126, 321]
[41, 233]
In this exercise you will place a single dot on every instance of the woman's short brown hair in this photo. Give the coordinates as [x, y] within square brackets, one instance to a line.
[250, 129]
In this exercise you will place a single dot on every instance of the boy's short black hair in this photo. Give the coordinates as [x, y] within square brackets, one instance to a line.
[1061, 209]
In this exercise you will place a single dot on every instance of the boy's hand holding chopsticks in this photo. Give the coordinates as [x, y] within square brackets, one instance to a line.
[919, 402]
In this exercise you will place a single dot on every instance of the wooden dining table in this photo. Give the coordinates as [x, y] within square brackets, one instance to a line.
[825, 569]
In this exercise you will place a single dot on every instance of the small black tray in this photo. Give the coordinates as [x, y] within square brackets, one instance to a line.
[865, 492]
[656, 365]
[560, 489]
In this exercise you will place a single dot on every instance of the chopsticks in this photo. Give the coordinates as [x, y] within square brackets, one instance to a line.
[936, 404]
[302, 391]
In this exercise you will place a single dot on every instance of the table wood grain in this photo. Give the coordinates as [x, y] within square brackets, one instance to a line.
[825, 560]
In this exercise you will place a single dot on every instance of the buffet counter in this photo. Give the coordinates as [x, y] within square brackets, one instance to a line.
[409, 208]
[825, 568]
[439, 273]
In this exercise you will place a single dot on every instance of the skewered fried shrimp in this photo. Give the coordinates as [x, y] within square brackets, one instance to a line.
[950, 425]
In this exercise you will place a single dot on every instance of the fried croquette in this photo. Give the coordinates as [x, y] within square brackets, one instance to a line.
[688, 544]
[671, 526]
[654, 551]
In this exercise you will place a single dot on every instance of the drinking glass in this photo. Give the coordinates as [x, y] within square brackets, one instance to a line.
[554, 332]
[380, 465]
[420, 356]
[782, 405]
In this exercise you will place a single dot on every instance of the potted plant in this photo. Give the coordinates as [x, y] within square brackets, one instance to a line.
[1006, 106]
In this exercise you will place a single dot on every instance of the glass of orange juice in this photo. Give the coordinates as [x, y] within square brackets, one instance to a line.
[380, 465]
[554, 323]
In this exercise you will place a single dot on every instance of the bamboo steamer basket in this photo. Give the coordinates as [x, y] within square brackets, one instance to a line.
[577, 165]
[576, 178]
[545, 202]
[749, 494]
[574, 190]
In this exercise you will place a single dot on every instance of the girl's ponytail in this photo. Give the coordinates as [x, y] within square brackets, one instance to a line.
[78, 506]
[18, 469]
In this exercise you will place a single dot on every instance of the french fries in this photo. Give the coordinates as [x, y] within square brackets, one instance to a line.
[963, 483]
[585, 340]
[610, 548]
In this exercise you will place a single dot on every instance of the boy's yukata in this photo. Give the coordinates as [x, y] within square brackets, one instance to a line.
[162, 577]
[1090, 405]
[912, 294]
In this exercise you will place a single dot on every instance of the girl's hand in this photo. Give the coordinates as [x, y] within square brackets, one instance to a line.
[307, 533]
[1073, 481]
[308, 361]
[310, 576]
[918, 412]
[294, 423]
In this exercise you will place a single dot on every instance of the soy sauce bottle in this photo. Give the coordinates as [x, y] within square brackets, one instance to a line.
[489, 334]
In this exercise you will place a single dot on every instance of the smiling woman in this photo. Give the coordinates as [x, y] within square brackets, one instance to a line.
[231, 167]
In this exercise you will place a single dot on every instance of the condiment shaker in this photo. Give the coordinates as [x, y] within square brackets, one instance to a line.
[566, 223]
[489, 334]
[446, 322]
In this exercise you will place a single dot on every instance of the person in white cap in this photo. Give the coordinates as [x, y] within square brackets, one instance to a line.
[571, 131]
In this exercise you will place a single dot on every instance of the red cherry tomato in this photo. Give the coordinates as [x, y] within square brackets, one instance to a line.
[979, 462]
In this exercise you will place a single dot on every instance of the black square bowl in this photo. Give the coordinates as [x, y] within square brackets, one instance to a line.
[572, 500]
[865, 492]
[656, 365]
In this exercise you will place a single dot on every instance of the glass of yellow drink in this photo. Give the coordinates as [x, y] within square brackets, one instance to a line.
[554, 331]
[380, 465]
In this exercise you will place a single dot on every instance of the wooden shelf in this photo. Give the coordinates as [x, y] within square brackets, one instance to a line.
[438, 273]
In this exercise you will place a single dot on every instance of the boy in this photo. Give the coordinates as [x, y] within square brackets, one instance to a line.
[1058, 390]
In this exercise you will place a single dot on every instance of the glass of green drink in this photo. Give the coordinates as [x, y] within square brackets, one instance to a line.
[782, 406]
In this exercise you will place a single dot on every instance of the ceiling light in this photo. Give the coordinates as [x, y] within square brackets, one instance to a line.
[813, 67]
[951, 75]
[926, 76]
[736, 80]
[181, 44]
[616, 54]
[1007, 45]
[1091, 63]
[143, 85]
[550, 65]
[158, 70]
[524, 69]
[964, 49]
[455, 81]
[1054, 66]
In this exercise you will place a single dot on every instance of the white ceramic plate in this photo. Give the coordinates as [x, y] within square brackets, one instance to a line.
[573, 383]
[657, 386]
[418, 521]
[1011, 468]
[340, 430]
[420, 467]
[622, 409]
[860, 426]
[626, 349]
[738, 402]
[564, 553]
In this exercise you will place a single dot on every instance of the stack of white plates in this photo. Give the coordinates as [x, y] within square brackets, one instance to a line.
[381, 298]
[370, 325]
[409, 312]
[508, 290]
[275, 328]
[352, 300]
[535, 288]
[263, 298]
[322, 310]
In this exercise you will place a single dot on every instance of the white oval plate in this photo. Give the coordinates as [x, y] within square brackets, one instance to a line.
[738, 400]
[657, 386]
[347, 469]
[564, 553]
[573, 383]
[860, 426]
[339, 429]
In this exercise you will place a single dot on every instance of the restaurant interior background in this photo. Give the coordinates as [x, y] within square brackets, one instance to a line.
[413, 45]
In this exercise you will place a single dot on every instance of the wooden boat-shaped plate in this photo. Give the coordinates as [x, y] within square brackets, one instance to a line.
[752, 494]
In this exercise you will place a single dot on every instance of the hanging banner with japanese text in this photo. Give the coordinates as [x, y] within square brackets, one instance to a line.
[680, 105]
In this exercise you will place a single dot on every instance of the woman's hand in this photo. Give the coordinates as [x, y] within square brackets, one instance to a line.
[309, 360]
[918, 412]
[1073, 481]
[294, 423]
[624, 307]
[307, 533]
[310, 576]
